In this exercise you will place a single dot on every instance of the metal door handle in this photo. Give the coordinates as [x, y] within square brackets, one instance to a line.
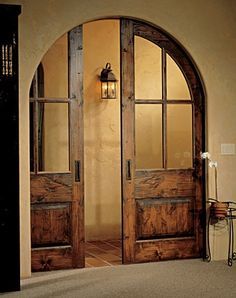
[77, 170]
[128, 169]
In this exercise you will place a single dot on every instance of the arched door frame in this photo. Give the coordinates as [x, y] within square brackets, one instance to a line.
[186, 64]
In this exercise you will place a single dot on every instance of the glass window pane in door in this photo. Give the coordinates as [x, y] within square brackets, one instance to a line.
[148, 136]
[147, 64]
[55, 68]
[179, 136]
[177, 87]
[53, 137]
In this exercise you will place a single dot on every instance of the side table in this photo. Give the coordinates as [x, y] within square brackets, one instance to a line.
[229, 217]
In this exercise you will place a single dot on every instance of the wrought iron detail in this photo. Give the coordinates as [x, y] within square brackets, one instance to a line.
[6, 60]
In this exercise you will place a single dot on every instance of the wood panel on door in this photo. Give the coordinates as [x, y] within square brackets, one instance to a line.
[162, 203]
[57, 194]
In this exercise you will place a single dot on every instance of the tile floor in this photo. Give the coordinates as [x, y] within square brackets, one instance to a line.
[103, 253]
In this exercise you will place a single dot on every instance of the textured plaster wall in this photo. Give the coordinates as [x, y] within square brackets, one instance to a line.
[101, 133]
[205, 28]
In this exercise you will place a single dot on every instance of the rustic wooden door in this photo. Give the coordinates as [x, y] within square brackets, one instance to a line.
[57, 202]
[162, 136]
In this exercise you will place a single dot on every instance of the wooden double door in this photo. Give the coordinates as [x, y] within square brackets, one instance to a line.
[161, 140]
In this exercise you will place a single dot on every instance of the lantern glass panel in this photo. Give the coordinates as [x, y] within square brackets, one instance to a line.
[104, 89]
[111, 89]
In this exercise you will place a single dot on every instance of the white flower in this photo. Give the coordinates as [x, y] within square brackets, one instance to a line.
[205, 155]
[213, 164]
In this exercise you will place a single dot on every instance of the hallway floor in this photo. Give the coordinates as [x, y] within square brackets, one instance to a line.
[103, 253]
[182, 278]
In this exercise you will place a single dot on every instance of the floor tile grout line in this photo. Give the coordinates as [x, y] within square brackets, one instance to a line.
[87, 265]
[101, 249]
[104, 242]
[95, 256]
[104, 253]
[119, 248]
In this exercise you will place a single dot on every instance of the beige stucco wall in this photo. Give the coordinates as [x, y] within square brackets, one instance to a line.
[205, 28]
[102, 154]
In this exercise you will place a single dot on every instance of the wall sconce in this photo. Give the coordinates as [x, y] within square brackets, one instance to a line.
[108, 83]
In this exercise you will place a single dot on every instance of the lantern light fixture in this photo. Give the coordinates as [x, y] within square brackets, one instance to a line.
[108, 83]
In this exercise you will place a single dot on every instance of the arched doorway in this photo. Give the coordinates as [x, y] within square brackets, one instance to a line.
[162, 174]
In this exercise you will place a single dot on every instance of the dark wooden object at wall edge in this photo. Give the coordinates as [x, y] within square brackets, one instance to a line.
[9, 126]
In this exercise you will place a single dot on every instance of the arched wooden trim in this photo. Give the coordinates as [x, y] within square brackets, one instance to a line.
[179, 55]
[40, 79]
[37, 85]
